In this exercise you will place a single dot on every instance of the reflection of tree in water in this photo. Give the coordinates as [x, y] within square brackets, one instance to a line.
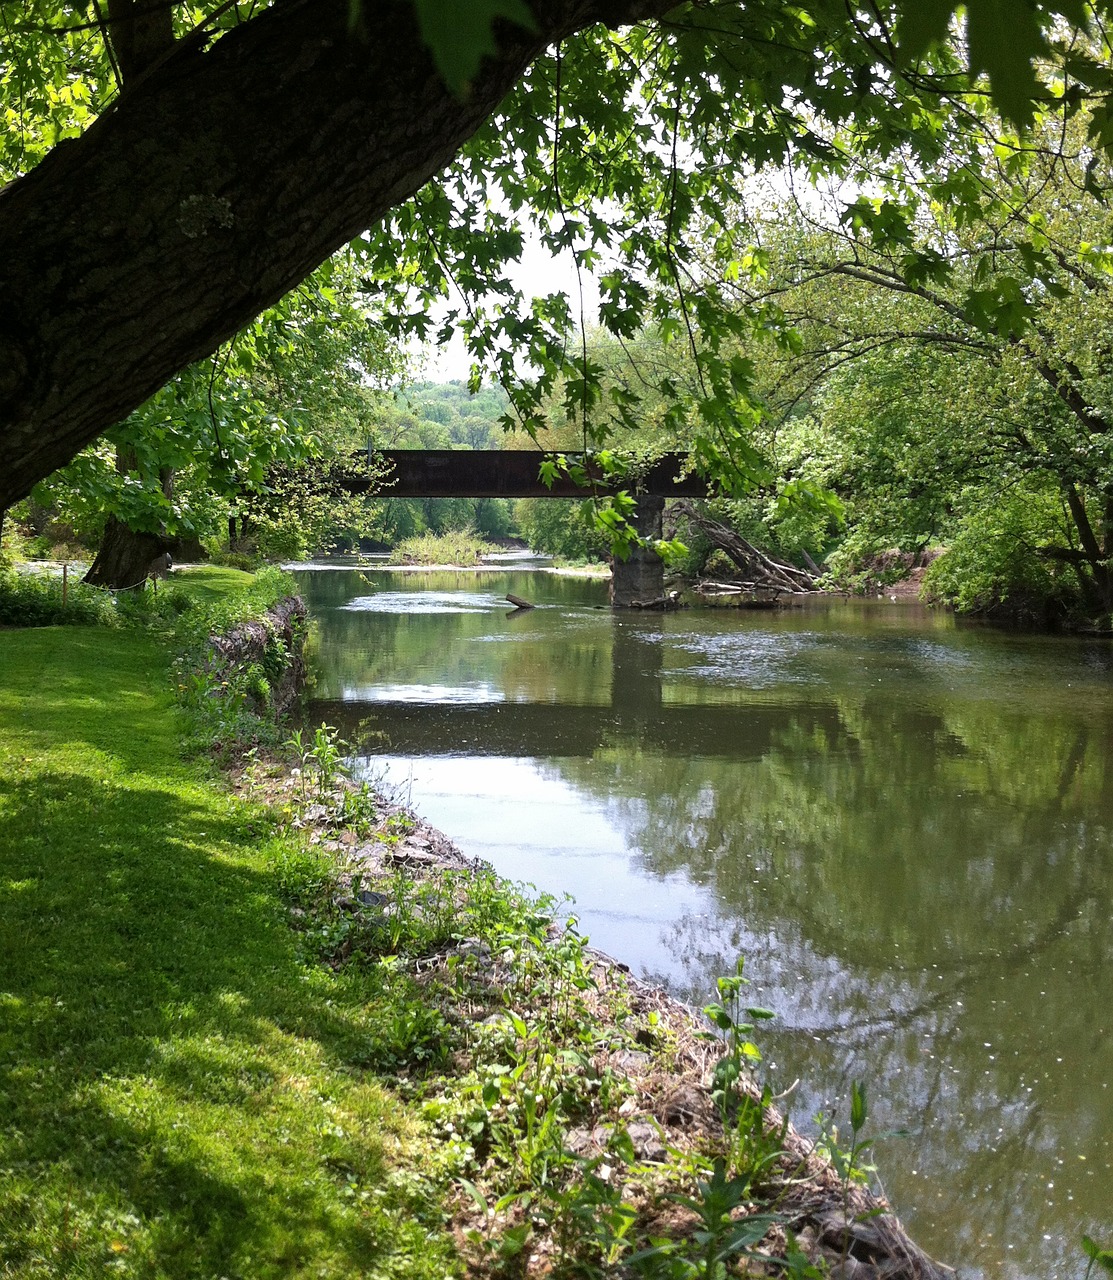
[902, 838]
[909, 887]
[998, 1068]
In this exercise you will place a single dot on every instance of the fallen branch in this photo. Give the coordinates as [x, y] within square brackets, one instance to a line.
[764, 569]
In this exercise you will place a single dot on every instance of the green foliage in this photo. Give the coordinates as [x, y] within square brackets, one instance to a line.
[623, 149]
[442, 415]
[32, 599]
[996, 561]
[718, 1238]
[561, 528]
[228, 706]
[459, 41]
[455, 548]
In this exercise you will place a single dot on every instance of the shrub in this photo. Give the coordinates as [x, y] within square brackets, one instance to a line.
[456, 548]
[29, 599]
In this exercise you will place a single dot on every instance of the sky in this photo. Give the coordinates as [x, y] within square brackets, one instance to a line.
[537, 274]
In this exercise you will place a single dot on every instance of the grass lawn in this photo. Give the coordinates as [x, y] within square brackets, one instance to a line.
[178, 1089]
[209, 582]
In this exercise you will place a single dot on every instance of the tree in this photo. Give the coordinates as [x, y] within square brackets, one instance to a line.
[952, 350]
[245, 145]
[298, 383]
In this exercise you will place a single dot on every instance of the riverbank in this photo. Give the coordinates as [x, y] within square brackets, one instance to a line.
[424, 1075]
[177, 1097]
[591, 1123]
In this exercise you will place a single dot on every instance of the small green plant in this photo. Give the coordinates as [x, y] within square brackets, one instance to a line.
[323, 754]
[1098, 1257]
[717, 1238]
[730, 1017]
[359, 810]
[848, 1162]
[592, 1224]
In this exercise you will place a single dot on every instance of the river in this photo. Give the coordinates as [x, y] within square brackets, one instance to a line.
[903, 823]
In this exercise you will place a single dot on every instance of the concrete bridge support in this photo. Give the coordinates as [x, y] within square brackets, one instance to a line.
[641, 578]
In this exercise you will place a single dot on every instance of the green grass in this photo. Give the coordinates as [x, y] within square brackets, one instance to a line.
[209, 583]
[177, 1090]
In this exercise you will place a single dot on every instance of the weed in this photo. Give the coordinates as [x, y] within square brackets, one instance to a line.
[1098, 1257]
[359, 810]
[592, 1224]
[727, 1016]
[718, 1237]
[323, 754]
[848, 1162]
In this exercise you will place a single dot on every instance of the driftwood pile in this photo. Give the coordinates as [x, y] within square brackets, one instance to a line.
[760, 571]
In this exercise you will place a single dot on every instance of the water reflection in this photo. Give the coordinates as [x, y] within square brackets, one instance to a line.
[905, 826]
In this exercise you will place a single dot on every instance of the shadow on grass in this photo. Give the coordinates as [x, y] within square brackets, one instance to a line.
[175, 1094]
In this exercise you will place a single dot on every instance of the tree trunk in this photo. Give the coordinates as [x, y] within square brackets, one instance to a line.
[764, 569]
[214, 183]
[1094, 577]
[124, 557]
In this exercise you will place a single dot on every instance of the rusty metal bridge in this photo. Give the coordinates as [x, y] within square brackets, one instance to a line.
[516, 473]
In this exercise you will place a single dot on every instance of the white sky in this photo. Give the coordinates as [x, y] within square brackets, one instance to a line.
[537, 274]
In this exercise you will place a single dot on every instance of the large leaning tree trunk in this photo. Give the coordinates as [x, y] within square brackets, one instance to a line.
[124, 558]
[216, 182]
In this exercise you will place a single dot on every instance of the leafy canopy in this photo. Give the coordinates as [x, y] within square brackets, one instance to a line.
[622, 147]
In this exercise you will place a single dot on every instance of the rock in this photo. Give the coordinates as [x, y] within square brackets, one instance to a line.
[412, 853]
[852, 1269]
[647, 1141]
[684, 1106]
[578, 1141]
[631, 1060]
[588, 1142]
[474, 949]
[368, 898]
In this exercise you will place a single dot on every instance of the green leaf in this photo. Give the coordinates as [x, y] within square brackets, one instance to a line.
[923, 24]
[858, 1106]
[460, 36]
[1103, 1257]
[1005, 38]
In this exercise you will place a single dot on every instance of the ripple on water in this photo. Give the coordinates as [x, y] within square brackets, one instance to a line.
[757, 659]
[426, 602]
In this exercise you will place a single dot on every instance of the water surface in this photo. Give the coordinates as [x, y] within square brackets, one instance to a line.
[903, 824]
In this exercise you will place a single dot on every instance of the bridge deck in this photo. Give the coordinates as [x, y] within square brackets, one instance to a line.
[509, 473]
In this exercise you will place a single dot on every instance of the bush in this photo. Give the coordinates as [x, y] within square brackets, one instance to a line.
[30, 599]
[455, 548]
[994, 564]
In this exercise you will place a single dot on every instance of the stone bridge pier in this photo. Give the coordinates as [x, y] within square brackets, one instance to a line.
[641, 578]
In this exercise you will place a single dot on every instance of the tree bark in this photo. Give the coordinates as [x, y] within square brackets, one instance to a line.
[217, 181]
[125, 554]
[124, 558]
